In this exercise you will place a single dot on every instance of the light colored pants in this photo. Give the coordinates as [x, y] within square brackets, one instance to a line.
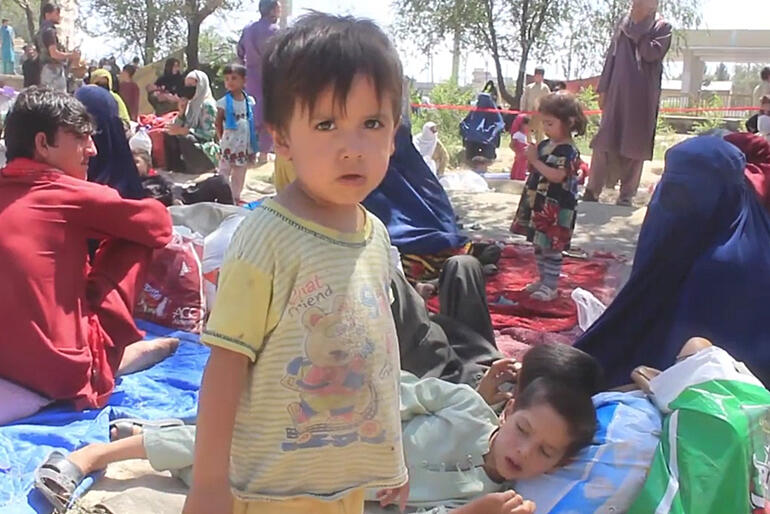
[611, 166]
[52, 75]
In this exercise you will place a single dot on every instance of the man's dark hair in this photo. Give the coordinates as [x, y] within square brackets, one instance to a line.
[563, 362]
[135, 61]
[565, 107]
[765, 100]
[40, 109]
[765, 73]
[321, 51]
[267, 6]
[130, 69]
[540, 71]
[4, 20]
[574, 405]
[49, 8]
[234, 68]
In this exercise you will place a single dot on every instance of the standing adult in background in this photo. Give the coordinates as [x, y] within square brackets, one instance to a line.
[530, 102]
[629, 94]
[763, 89]
[53, 56]
[6, 48]
[30, 67]
[250, 50]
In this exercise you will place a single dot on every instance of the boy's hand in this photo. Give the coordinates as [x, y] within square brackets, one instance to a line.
[205, 500]
[532, 155]
[389, 496]
[502, 371]
[507, 502]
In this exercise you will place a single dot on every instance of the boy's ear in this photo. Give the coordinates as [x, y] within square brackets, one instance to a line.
[280, 142]
[507, 411]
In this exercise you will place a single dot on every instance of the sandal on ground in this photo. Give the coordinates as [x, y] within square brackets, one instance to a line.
[56, 479]
[125, 427]
[545, 294]
[504, 302]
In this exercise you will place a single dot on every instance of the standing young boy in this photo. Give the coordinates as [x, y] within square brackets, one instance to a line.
[129, 91]
[300, 398]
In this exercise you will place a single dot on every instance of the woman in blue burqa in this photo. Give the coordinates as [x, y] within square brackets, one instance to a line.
[482, 127]
[702, 266]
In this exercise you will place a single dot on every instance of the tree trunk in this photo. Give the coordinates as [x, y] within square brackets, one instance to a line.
[513, 102]
[29, 15]
[522, 77]
[150, 32]
[454, 78]
[193, 40]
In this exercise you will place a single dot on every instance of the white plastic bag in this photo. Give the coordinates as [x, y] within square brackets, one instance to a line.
[214, 246]
[588, 306]
[465, 181]
[141, 141]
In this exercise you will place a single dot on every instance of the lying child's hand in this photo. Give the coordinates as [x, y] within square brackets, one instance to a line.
[507, 502]
[502, 371]
[389, 496]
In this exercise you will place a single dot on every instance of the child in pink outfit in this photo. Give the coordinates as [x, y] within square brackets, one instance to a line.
[519, 135]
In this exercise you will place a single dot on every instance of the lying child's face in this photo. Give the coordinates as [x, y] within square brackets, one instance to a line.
[141, 165]
[530, 442]
[341, 155]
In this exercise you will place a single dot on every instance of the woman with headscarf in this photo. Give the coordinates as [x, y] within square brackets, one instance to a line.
[190, 145]
[113, 165]
[163, 95]
[103, 78]
[426, 143]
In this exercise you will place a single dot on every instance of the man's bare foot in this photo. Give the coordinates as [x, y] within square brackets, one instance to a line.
[143, 354]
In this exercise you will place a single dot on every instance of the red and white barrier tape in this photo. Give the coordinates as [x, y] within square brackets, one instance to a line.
[587, 113]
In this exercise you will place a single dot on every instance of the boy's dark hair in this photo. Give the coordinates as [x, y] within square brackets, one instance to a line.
[320, 51]
[130, 69]
[4, 20]
[540, 71]
[43, 110]
[562, 362]
[49, 8]
[765, 73]
[574, 405]
[565, 107]
[765, 100]
[234, 68]
[267, 6]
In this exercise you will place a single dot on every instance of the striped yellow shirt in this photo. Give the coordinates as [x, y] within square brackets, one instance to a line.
[310, 307]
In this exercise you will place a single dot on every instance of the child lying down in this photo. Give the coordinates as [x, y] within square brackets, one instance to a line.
[460, 453]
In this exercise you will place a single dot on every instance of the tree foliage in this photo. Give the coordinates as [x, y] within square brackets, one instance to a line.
[151, 28]
[23, 15]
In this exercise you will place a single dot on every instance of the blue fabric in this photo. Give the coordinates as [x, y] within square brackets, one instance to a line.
[232, 124]
[483, 127]
[113, 165]
[702, 268]
[412, 204]
[167, 390]
[6, 42]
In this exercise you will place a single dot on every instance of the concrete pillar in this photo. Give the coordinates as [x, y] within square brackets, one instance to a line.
[285, 13]
[692, 76]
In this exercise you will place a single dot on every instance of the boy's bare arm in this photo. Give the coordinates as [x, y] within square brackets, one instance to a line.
[219, 123]
[223, 382]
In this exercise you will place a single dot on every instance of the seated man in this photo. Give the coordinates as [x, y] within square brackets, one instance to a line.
[68, 328]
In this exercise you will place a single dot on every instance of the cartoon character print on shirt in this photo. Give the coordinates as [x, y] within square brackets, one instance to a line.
[337, 401]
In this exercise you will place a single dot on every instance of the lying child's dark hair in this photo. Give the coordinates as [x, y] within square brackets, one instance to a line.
[566, 108]
[564, 363]
[40, 109]
[321, 51]
[572, 404]
[234, 68]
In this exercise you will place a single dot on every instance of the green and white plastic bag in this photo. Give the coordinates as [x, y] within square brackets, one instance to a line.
[714, 453]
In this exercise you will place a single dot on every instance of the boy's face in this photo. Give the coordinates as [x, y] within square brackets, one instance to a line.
[340, 157]
[765, 107]
[530, 442]
[539, 78]
[234, 82]
[69, 153]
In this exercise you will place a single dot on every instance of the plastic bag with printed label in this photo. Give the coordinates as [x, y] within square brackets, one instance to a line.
[173, 291]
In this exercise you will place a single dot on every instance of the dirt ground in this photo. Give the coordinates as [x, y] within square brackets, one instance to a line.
[133, 486]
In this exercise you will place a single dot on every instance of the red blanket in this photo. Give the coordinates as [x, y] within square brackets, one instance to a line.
[518, 268]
